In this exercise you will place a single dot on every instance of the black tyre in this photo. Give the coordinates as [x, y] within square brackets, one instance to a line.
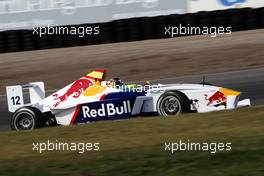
[26, 118]
[173, 103]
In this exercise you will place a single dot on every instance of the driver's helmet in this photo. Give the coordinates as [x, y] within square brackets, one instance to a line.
[115, 83]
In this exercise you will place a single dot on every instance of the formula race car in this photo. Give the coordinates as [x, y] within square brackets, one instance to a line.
[91, 99]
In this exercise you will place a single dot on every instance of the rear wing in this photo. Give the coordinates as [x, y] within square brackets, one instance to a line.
[17, 94]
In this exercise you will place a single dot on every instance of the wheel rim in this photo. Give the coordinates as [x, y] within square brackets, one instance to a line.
[24, 121]
[170, 105]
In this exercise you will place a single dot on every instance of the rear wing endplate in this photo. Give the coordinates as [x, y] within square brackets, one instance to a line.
[15, 94]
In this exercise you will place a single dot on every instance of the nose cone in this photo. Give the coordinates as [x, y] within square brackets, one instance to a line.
[229, 92]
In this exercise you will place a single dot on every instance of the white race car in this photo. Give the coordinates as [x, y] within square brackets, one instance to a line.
[91, 99]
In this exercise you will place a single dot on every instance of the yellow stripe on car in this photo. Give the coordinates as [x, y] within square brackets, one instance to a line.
[95, 74]
[229, 92]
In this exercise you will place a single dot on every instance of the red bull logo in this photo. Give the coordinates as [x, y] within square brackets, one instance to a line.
[217, 97]
[75, 90]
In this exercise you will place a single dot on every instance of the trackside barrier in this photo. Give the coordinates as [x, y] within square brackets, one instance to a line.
[134, 29]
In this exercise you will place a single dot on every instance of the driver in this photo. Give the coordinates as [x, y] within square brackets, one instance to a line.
[115, 83]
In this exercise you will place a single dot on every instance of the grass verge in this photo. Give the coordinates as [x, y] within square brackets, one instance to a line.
[136, 147]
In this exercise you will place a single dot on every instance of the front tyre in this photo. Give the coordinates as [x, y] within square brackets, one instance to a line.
[26, 118]
[173, 103]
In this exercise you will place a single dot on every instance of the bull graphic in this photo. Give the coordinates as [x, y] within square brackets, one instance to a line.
[76, 89]
[217, 97]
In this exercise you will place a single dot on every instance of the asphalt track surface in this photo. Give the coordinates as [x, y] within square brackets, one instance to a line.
[249, 82]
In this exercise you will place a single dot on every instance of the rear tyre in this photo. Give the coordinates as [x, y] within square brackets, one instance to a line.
[26, 118]
[173, 103]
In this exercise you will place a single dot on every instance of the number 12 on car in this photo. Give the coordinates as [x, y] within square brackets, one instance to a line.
[16, 100]
[15, 97]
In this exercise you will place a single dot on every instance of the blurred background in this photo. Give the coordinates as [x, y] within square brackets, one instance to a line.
[118, 20]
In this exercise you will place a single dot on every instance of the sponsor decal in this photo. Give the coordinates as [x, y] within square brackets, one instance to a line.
[113, 109]
[108, 109]
[75, 90]
[25, 14]
[217, 98]
[231, 2]
[68, 7]
[89, 85]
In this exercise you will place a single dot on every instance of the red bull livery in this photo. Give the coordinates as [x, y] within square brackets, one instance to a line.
[93, 98]
[75, 90]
